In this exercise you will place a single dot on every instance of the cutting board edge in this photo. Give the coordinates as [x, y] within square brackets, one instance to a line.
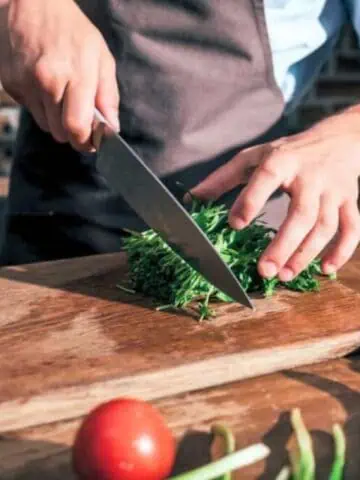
[72, 402]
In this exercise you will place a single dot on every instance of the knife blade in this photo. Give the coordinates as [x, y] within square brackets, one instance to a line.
[127, 174]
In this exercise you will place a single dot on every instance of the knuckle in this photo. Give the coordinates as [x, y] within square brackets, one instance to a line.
[304, 212]
[279, 150]
[297, 265]
[248, 206]
[270, 166]
[48, 76]
[273, 159]
[78, 129]
[326, 225]
[42, 71]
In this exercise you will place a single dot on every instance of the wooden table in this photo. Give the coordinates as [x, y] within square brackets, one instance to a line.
[257, 408]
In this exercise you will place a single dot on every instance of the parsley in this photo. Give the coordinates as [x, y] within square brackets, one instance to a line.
[157, 271]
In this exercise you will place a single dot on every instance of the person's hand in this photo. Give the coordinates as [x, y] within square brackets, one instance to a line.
[56, 63]
[319, 169]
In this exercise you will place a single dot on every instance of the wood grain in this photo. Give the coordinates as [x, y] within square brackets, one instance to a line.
[257, 410]
[69, 339]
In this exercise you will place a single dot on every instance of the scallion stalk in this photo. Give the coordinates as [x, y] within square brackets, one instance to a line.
[337, 470]
[229, 442]
[229, 463]
[303, 463]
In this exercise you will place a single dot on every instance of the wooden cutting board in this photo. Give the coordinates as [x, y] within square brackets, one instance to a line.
[69, 339]
[257, 410]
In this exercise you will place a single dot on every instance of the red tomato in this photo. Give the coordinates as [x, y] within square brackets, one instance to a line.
[124, 439]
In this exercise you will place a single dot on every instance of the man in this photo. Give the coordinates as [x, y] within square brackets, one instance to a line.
[204, 85]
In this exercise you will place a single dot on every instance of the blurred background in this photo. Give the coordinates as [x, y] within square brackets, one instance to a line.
[338, 86]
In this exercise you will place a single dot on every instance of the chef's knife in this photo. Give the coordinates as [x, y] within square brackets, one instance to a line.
[127, 175]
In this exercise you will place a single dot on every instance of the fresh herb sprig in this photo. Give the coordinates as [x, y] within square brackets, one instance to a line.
[157, 271]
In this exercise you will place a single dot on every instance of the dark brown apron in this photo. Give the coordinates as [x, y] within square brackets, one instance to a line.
[196, 85]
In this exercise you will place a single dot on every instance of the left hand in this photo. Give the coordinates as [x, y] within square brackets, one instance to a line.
[319, 169]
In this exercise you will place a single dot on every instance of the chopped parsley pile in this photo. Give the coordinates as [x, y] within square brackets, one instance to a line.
[157, 271]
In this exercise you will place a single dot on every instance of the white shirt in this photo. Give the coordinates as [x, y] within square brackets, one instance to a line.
[302, 34]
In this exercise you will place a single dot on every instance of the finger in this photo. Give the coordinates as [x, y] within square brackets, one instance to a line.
[53, 111]
[324, 230]
[266, 179]
[230, 175]
[51, 84]
[347, 241]
[31, 102]
[301, 218]
[107, 95]
[36, 108]
[78, 111]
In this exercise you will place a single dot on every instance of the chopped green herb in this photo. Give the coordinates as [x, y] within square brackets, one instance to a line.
[157, 271]
[126, 290]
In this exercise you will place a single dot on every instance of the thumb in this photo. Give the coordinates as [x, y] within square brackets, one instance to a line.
[236, 172]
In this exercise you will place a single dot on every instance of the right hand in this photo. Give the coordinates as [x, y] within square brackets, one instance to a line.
[56, 63]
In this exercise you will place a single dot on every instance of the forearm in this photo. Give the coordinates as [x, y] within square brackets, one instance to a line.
[46, 66]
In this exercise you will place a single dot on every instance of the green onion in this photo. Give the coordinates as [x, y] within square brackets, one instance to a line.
[303, 463]
[239, 459]
[284, 474]
[229, 443]
[337, 470]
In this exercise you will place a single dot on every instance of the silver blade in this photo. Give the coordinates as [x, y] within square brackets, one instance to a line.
[129, 176]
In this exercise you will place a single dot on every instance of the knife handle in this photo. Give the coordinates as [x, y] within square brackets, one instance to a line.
[98, 128]
[99, 117]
